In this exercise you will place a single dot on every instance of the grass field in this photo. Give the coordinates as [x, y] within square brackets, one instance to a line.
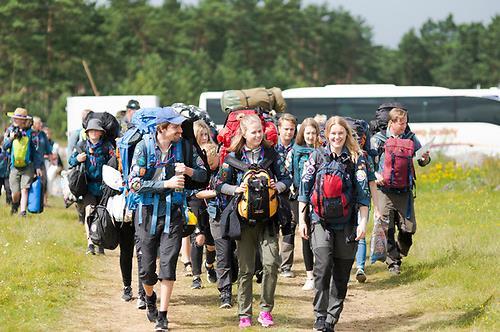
[452, 268]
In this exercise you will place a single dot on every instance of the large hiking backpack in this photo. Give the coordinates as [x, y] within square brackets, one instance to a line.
[232, 127]
[300, 156]
[398, 170]
[21, 150]
[268, 99]
[102, 231]
[195, 113]
[108, 122]
[379, 124]
[259, 202]
[331, 197]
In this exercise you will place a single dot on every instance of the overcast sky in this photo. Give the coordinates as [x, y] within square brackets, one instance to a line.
[390, 19]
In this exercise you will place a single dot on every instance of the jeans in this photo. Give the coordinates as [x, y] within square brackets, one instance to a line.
[361, 254]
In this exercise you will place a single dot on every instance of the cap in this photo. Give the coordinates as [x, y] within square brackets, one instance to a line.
[133, 104]
[167, 114]
[94, 124]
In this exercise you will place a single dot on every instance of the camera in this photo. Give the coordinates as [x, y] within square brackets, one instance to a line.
[18, 133]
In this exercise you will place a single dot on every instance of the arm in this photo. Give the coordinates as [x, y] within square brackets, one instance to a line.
[362, 192]
[224, 183]
[284, 181]
[306, 185]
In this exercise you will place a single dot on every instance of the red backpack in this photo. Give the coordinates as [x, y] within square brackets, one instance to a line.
[232, 126]
[332, 194]
[398, 170]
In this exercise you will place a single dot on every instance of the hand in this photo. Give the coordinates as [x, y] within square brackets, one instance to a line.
[200, 239]
[241, 189]
[12, 135]
[180, 168]
[303, 230]
[175, 182]
[39, 172]
[360, 232]
[380, 179]
[272, 184]
[81, 157]
[425, 156]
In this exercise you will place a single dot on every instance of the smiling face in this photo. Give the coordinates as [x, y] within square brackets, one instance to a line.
[337, 136]
[170, 132]
[310, 135]
[253, 134]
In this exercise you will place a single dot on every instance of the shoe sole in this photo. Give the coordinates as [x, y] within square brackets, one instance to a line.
[141, 308]
[361, 278]
[264, 325]
[225, 306]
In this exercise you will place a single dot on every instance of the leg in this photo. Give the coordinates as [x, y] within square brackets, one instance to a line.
[271, 262]
[126, 240]
[323, 263]
[246, 260]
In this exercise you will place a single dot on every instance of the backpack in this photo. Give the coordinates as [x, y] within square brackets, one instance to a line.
[398, 172]
[259, 202]
[108, 122]
[268, 99]
[195, 113]
[379, 124]
[232, 126]
[102, 231]
[21, 150]
[331, 197]
[300, 156]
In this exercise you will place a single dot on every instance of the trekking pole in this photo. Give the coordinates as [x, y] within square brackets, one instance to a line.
[89, 76]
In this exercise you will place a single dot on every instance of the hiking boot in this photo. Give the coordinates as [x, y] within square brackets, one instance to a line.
[226, 298]
[141, 302]
[127, 294]
[394, 269]
[14, 208]
[319, 324]
[245, 322]
[152, 312]
[265, 319]
[161, 324]
[196, 283]
[100, 251]
[287, 273]
[90, 250]
[360, 276]
[188, 270]
[308, 285]
[258, 276]
[211, 275]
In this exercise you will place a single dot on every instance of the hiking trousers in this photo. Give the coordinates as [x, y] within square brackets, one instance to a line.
[333, 259]
[288, 241]
[252, 238]
[224, 253]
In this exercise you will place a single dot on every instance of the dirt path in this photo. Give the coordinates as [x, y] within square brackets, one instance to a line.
[373, 306]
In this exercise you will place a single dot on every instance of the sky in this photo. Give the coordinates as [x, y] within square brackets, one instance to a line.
[391, 19]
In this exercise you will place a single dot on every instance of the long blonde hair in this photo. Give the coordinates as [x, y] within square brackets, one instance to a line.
[198, 126]
[351, 143]
[239, 140]
[308, 122]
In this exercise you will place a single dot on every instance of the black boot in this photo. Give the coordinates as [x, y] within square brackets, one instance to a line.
[226, 297]
[152, 311]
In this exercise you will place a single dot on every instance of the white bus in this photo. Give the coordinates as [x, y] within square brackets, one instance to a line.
[462, 121]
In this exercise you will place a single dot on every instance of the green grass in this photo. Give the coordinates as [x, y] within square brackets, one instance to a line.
[41, 266]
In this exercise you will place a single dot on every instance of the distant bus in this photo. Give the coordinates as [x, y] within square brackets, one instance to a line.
[461, 121]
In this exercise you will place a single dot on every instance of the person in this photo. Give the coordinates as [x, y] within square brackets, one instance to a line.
[396, 205]
[306, 143]
[202, 236]
[95, 153]
[77, 135]
[321, 120]
[287, 125]
[125, 122]
[43, 147]
[251, 148]
[334, 185]
[162, 209]
[26, 161]
[4, 173]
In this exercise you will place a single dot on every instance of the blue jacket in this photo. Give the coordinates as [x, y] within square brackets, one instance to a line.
[4, 164]
[41, 142]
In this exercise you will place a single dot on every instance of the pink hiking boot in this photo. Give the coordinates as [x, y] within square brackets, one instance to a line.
[266, 319]
[245, 322]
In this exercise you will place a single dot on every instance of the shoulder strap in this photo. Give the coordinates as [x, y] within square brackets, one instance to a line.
[236, 163]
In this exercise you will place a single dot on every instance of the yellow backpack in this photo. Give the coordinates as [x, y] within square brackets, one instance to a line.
[21, 151]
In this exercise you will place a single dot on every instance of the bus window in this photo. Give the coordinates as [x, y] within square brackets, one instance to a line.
[472, 109]
[357, 108]
[215, 112]
[308, 107]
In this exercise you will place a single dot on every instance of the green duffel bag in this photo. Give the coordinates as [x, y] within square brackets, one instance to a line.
[269, 99]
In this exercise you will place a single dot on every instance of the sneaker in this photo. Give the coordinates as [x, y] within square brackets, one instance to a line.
[394, 269]
[152, 312]
[90, 250]
[329, 327]
[245, 322]
[265, 319]
[196, 283]
[308, 285]
[14, 208]
[319, 324]
[22, 214]
[100, 251]
[127, 294]
[360, 275]
[226, 298]
[141, 303]
[211, 275]
[258, 276]
[287, 273]
[188, 270]
[161, 324]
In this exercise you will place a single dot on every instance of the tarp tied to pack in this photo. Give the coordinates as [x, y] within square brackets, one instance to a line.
[268, 99]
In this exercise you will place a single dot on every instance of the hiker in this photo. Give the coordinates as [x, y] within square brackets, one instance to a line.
[158, 177]
[94, 152]
[306, 143]
[287, 125]
[77, 135]
[125, 121]
[26, 161]
[4, 173]
[250, 148]
[227, 267]
[321, 120]
[395, 183]
[202, 236]
[43, 147]
[334, 184]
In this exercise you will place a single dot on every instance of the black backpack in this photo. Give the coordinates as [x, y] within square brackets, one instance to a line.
[108, 122]
[102, 231]
[187, 153]
[379, 124]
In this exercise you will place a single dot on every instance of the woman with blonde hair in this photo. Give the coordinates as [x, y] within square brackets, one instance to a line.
[251, 148]
[334, 184]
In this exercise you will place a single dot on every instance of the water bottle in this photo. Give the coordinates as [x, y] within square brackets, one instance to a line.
[178, 190]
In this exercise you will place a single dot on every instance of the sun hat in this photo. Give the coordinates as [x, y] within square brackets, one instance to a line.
[94, 124]
[19, 113]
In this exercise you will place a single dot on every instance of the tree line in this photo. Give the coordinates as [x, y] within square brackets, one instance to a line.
[177, 51]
